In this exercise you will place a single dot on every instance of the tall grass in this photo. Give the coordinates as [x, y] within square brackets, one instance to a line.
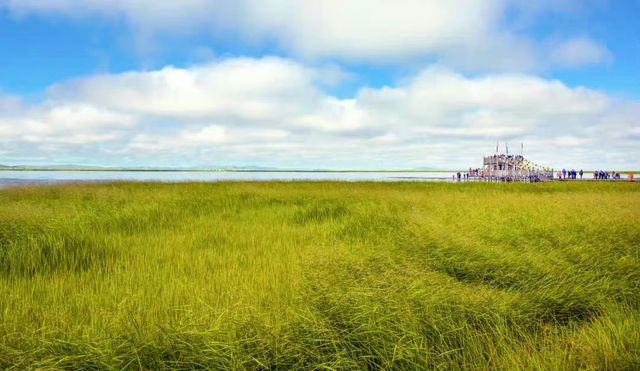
[321, 276]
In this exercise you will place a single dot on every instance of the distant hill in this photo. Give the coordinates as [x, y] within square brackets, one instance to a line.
[247, 168]
[140, 168]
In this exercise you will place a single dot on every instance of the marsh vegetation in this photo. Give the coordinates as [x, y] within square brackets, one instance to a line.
[320, 275]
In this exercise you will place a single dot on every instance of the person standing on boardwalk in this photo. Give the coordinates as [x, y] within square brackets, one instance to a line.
[564, 173]
[458, 176]
[581, 173]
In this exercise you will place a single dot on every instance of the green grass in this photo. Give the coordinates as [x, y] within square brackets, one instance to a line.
[321, 276]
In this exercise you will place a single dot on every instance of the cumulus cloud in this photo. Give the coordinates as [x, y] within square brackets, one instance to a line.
[62, 123]
[242, 89]
[368, 29]
[469, 34]
[273, 111]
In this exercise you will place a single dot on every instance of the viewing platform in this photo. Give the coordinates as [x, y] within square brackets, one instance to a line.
[505, 167]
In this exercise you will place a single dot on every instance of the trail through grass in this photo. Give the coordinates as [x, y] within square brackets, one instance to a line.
[320, 275]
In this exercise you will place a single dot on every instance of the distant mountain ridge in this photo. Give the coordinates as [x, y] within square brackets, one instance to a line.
[141, 168]
[72, 167]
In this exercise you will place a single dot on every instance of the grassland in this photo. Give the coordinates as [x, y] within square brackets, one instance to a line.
[320, 275]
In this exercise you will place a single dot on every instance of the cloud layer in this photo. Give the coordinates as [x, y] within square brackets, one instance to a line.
[468, 34]
[274, 111]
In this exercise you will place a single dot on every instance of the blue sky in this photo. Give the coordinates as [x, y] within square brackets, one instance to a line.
[331, 84]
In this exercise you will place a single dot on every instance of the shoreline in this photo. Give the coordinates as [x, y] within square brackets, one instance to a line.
[16, 183]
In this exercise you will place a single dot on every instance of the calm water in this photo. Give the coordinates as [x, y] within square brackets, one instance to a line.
[10, 178]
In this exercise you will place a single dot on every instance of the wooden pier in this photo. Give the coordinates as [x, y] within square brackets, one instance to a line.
[505, 167]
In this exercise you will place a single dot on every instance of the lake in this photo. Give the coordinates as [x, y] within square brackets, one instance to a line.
[26, 177]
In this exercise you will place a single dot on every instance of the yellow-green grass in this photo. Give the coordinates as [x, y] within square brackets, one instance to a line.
[320, 275]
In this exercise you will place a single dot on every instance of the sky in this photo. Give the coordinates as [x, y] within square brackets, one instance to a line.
[319, 84]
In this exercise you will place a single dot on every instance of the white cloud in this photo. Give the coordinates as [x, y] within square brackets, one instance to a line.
[241, 89]
[272, 111]
[578, 52]
[469, 34]
[375, 29]
[62, 123]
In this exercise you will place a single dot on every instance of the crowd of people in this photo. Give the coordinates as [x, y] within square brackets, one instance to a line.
[563, 174]
[473, 172]
[570, 174]
[461, 176]
[605, 175]
[597, 175]
[479, 174]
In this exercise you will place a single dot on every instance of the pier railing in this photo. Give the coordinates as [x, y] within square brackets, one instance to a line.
[510, 168]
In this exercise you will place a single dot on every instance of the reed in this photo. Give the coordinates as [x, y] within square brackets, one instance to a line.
[318, 275]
